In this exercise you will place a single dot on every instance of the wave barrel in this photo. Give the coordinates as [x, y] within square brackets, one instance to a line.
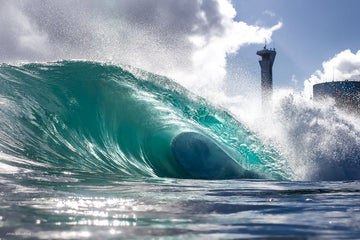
[203, 158]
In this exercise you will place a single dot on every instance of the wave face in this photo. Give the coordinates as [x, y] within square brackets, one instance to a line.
[100, 118]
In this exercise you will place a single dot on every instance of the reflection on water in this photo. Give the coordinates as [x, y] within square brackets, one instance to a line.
[155, 208]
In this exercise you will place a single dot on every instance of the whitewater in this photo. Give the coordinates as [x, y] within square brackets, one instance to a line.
[144, 139]
[87, 153]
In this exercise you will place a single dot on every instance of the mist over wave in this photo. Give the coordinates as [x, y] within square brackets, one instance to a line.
[119, 120]
[319, 141]
[187, 41]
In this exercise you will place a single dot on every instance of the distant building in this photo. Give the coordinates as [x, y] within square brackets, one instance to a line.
[266, 64]
[346, 94]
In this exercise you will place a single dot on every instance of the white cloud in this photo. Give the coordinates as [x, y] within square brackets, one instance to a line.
[344, 65]
[210, 59]
[187, 40]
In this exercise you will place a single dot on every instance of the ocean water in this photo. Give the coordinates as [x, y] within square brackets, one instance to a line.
[87, 153]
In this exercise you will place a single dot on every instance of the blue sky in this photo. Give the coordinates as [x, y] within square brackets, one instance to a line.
[313, 31]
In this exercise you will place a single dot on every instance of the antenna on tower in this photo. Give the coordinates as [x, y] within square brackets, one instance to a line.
[265, 43]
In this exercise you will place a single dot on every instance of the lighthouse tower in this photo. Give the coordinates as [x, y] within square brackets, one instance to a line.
[266, 64]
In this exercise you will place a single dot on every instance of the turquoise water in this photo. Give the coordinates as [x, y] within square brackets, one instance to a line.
[86, 154]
